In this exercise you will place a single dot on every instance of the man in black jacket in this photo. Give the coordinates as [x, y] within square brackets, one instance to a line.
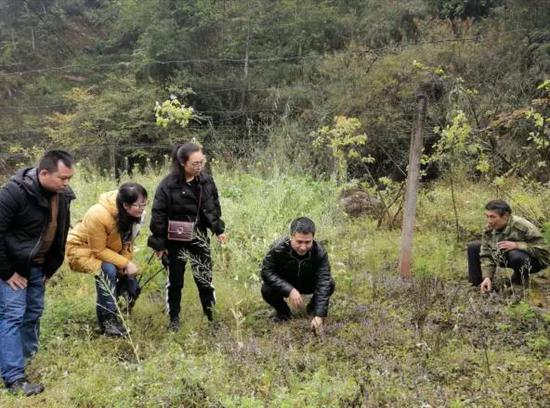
[34, 222]
[295, 266]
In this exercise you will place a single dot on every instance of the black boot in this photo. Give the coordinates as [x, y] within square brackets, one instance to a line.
[24, 387]
[209, 312]
[100, 320]
[278, 317]
[101, 325]
[114, 328]
[174, 325]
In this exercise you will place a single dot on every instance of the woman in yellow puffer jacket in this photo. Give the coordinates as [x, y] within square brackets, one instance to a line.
[102, 244]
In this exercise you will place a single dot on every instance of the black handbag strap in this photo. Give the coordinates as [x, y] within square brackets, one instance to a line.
[199, 204]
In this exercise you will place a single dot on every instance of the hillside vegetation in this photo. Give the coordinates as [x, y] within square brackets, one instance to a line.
[85, 74]
[430, 341]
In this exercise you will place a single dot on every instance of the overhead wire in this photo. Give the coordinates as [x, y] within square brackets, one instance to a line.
[477, 38]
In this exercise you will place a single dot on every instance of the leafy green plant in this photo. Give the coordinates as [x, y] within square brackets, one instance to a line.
[521, 311]
[344, 140]
[539, 343]
[172, 111]
[453, 146]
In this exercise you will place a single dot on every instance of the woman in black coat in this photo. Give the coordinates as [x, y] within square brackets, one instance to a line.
[186, 204]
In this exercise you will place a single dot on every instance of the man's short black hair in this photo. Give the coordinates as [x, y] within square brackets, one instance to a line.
[501, 207]
[303, 225]
[51, 159]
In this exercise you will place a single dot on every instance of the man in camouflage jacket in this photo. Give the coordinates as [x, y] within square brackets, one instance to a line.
[509, 241]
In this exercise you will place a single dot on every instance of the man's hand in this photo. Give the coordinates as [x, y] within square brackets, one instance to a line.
[131, 269]
[316, 325]
[507, 245]
[486, 285]
[296, 299]
[17, 281]
[222, 238]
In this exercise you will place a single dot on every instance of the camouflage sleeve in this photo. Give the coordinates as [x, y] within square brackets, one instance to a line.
[488, 265]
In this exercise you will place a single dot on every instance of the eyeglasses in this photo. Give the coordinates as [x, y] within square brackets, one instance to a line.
[198, 163]
[141, 206]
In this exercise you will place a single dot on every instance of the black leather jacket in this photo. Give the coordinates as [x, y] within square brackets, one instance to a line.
[285, 270]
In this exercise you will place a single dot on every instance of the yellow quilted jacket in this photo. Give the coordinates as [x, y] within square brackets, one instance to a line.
[95, 239]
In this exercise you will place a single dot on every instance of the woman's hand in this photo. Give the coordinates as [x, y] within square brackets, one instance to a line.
[131, 269]
[160, 254]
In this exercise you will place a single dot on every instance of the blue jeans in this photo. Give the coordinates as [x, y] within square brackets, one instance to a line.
[109, 284]
[20, 312]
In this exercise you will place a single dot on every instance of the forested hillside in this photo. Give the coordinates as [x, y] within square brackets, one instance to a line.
[86, 75]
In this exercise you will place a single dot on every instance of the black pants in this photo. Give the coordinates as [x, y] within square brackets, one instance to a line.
[198, 253]
[276, 298]
[521, 262]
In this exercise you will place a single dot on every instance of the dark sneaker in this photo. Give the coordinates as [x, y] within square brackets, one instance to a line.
[280, 317]
[174, 325]
[25, 388]
[114, 328]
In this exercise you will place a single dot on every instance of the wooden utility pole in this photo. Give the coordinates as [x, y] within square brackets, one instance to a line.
[413, 177]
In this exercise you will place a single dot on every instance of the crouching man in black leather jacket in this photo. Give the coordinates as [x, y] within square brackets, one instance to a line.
[294, 266]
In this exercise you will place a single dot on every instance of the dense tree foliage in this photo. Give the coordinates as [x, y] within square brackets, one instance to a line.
[85, 73]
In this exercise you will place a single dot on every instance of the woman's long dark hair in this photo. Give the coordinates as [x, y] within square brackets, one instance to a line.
[128, 193]
[180, 155]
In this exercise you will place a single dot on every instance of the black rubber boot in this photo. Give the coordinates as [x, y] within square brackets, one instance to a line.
[209, 312]
[174, 325]
[114, 328]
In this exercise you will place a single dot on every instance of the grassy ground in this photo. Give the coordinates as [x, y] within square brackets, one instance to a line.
[431, 341]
